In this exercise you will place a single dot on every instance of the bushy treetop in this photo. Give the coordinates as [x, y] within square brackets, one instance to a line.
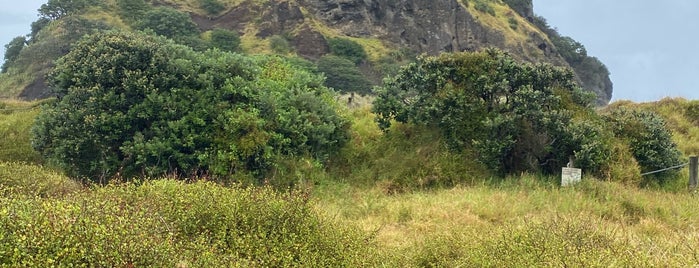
[514, 115]
[131, 104]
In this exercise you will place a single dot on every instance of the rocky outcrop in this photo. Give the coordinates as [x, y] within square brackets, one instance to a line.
[424, 26]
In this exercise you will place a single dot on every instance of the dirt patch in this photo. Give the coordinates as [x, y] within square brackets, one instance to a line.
[36, 90]
[234, 19]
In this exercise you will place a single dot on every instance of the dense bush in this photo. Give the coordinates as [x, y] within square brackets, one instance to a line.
[132, 10]
[141, 105]
[650, 141]
[514, 115]
[12, 50]
[56, 9]
[347, 49]
[279, 44]
[212, 7]
[343, 75]
[168, 22]
[171, 224]
[225, 40]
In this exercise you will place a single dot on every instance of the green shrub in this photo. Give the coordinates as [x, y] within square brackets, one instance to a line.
[347, 49]
[484, 6]
[342, 75]
[279, 44]
[692, 112]
[648, 137]
[141, 105]
[12, 50]
[513, 23]
[132, 10]
[168, 22]
[212, 7]
[225, 40]
[168, 224]
[515, 116]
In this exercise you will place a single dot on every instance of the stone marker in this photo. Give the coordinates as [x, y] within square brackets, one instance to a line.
[570, 176]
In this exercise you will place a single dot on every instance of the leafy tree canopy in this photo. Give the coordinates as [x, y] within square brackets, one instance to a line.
[131, 104]
[168, 22]
[12, 50]
[348, 49]
[515, 116]
[343, 75]
[225, 40]
[56, 9]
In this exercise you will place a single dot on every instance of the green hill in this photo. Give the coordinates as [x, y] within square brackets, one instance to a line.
[390, 35]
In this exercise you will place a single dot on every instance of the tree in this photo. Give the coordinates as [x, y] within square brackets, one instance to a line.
[37, 26]
[132, 10]
[514, 115]
[348, 49]
[342, 75]
[168, 22]
[12, 50]
[212, 7]
[56, 9]
[132, 104]
[225, 40]
[646, 133]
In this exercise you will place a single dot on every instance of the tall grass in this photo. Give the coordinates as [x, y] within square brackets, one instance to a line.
[16, 119]
[527, 221]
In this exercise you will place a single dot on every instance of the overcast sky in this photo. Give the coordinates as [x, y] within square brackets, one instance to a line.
[650, 48]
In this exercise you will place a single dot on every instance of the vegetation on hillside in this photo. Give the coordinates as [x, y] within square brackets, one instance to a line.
[62, 22]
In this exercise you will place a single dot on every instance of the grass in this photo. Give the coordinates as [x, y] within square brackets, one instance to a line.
[501, 224]
[16, 119]
[371, 208]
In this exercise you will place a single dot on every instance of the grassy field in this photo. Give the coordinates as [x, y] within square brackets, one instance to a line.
[411, 206]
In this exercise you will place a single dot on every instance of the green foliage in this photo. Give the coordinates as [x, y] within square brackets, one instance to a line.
[649, 138]
[347, 49]
[143, 105]
[592, 145]
[56, 9]
[37, 26]
[692, 112]
[15, 126]
[513, 23]
[484, 6]
[212, 7]
[12, 50]
[30, 180]
[225, 40]
[168, 22]
[279, 44]
[343, 75]
[572, 51]
[523, 7]
[132, 10]
[172, 224]
[514, 115]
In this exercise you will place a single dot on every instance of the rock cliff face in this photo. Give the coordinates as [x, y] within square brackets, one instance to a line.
[421, 26]
[417, 26]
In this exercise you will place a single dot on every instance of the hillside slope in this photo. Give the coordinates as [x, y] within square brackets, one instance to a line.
[391, 33]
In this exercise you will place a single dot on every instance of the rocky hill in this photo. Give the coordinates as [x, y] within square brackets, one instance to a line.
[388, 33]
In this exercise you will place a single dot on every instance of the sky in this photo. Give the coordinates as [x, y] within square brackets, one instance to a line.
[649, 49]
